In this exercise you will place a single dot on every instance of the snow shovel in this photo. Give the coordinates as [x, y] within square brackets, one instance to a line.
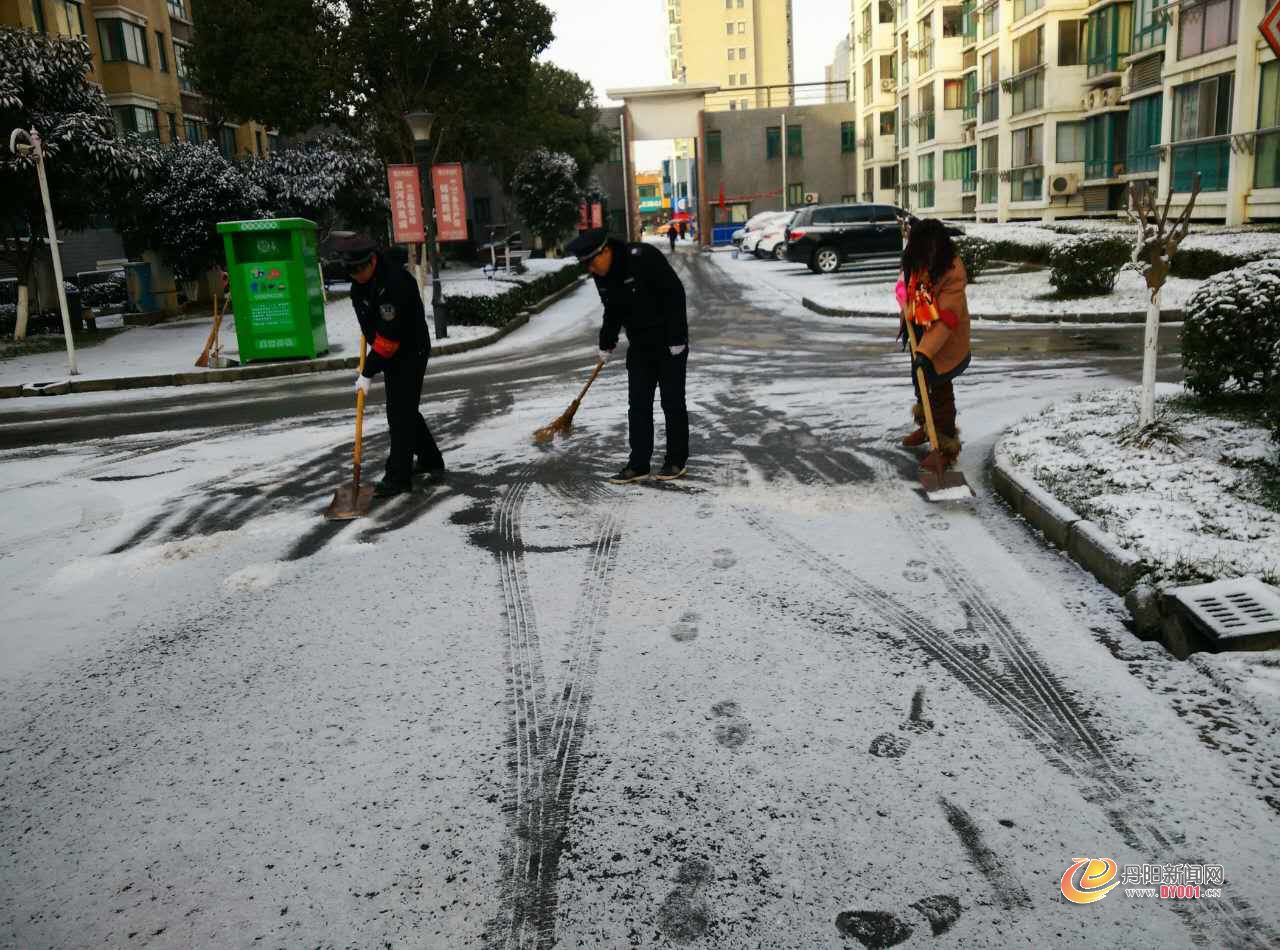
[938, 483]
[564, 424]
[353, 500]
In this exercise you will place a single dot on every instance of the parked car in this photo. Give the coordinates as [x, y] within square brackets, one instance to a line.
[773, 240]
[826, 236]
[753, 225]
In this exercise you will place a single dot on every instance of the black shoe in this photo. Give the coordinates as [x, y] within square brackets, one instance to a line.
[628, 475]
[669, 472]
[389, 489]
[422, 468]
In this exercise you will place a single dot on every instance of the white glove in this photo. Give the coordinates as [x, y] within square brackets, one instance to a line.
[363, 383]
[602, 356]
[677, 350]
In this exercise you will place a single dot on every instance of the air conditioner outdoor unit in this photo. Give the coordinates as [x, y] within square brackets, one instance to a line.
[1113, 95]
[1063, 185]
[811, 197]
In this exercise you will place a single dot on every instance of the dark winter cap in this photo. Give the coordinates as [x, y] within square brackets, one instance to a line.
[588, 244]
[357, 250]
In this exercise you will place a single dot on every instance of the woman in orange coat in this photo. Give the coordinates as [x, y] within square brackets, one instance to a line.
[932, 294]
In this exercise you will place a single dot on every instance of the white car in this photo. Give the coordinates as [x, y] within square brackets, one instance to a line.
[754, 233]
[773, 238]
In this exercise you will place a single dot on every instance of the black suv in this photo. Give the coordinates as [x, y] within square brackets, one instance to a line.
[825, 236]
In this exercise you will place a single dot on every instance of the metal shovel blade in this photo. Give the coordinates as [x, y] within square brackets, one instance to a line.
[350, 501]
[945, 486]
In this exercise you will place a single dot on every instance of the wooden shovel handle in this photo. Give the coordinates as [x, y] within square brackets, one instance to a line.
[921, 384]
[359, 421]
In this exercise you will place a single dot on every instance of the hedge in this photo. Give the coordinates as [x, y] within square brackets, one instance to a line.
[1232, 331]
[497, 311]
[1193, 263]
[976, 254]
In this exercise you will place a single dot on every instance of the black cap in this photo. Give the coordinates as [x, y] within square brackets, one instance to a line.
[588, 244]
[356, 250]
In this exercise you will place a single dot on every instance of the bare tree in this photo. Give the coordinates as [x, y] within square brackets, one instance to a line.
[1153, 251]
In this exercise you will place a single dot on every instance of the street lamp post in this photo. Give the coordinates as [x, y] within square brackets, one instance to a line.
[22, 142]
[420, 125]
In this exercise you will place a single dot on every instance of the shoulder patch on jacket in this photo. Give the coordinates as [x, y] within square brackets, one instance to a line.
[637, 251]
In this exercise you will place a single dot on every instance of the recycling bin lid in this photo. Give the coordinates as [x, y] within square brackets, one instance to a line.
[266, 224]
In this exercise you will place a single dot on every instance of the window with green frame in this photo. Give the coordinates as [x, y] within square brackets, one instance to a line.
[990, 170]
[1023, 8]
[773, 142]
[925, 191]
[848, 137]
[195, 131]
[123, 42]
[958, 163]
[1202, 119]
[1071, 142]
[1141, 154]
[37, 10]
[715, 150]
[1266, 160]
[135, 120]
[1148, 29]
[1104, 145]
[1110, 33]
[795, 141]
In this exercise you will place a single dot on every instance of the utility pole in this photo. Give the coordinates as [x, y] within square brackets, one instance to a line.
[784, 161]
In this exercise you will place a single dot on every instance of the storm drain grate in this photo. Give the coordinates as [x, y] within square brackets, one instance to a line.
[1229, 610]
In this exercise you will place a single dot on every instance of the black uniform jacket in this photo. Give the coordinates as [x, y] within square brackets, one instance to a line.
[392, 318]
[642, 294]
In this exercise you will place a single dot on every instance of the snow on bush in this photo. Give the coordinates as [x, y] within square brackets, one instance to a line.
[546, 193]
[976, 255]
[1192, 505]
[1088, 264]
[1232, 331]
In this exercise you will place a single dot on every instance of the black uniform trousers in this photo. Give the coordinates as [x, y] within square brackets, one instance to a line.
[648, 367]
[409, 433]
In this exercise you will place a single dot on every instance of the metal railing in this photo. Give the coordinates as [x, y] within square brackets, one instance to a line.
[778, 96]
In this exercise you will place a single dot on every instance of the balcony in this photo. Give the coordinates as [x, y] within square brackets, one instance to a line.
[924, 55]
[924, 191]
[923, 121]
[1103, 169]
[864, 38]
[989, 97]
[1143, 160]
[1209, 156]
[1102, 66]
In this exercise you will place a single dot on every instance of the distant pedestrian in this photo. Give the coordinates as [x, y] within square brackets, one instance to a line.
[642, 295]
[684, 230]
[671, 236]
[931, 292]
[388, 305]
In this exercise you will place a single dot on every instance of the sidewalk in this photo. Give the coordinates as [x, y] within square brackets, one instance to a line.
[165, 354]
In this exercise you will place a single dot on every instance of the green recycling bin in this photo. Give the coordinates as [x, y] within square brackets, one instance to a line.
[276, 288]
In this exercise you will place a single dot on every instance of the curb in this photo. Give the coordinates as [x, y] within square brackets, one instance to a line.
[1088, 545]
[271, 370]
[1128, 316]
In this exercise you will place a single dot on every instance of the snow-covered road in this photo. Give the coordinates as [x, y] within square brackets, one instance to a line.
[783, 704]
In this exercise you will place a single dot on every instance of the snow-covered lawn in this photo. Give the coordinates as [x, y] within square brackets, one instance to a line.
[1246, 242]
[1192, 503]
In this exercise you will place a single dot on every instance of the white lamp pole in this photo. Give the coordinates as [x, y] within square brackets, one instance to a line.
[22, 142]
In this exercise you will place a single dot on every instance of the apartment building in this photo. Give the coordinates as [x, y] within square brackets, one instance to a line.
[140, 54]
[1062, 103]
[735, 44]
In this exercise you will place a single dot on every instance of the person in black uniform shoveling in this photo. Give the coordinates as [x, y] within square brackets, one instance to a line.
[389, 307]
[642, 294]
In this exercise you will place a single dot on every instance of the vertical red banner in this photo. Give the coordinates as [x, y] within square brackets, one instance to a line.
[584, 218]
[406, 204]
[597, 215]
[451, 202]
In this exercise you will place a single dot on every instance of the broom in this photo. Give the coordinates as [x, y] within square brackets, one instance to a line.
[564, 424]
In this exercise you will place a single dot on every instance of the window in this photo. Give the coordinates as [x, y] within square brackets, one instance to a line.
[1266, 162]
[742, 79]
[1028, 50]
[195, 131]
[953, 94]
[1144, 134]
[68, 18]
[1023, 8]
[990, 170]
[715, 151]
[1027, 184]
[744, 103]
[181, 69]
[885, 12]
[795, 141]
[173, 127]
[888, 123]
[952, 21]
[773, 142]
[615, 147]
[1071, 42]
[1148, 29]
[742, 27]
[178, 8]
[889, 67]
[848, 137]
[257, 140]
[37, 10]
[795, 194]
[959, 165]
[742, 52]
[990, 19]
[1202, 110]
[889, 177]
[163, 58]
[1027, 147]
[1110, 33]
[1105, 137]
[1206, 26]
[227, 141]
[925, 190]
[273, 142]
[991, 86]
[733, 79]
[1070, 142]
[926, 111]
[732, 53]
[123, 42]
[135, 120]
[1028, 54]
[728, 27]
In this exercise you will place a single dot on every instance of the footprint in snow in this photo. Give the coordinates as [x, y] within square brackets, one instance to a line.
[877, 929]
[684, 915]
[917, 572]
[733, 729]
[686, 628]
[724, 559]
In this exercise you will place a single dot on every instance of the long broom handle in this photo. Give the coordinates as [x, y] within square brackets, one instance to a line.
[924, 389]
[355, 478]
[594, 374]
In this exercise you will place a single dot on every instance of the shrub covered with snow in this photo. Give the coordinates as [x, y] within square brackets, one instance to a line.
[976, 254]
[1232, 330]
[500, 309]
[546, 193]
[1088, 264]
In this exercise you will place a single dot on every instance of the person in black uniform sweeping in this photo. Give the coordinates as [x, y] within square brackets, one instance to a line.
[389, 307]
[642, 294]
